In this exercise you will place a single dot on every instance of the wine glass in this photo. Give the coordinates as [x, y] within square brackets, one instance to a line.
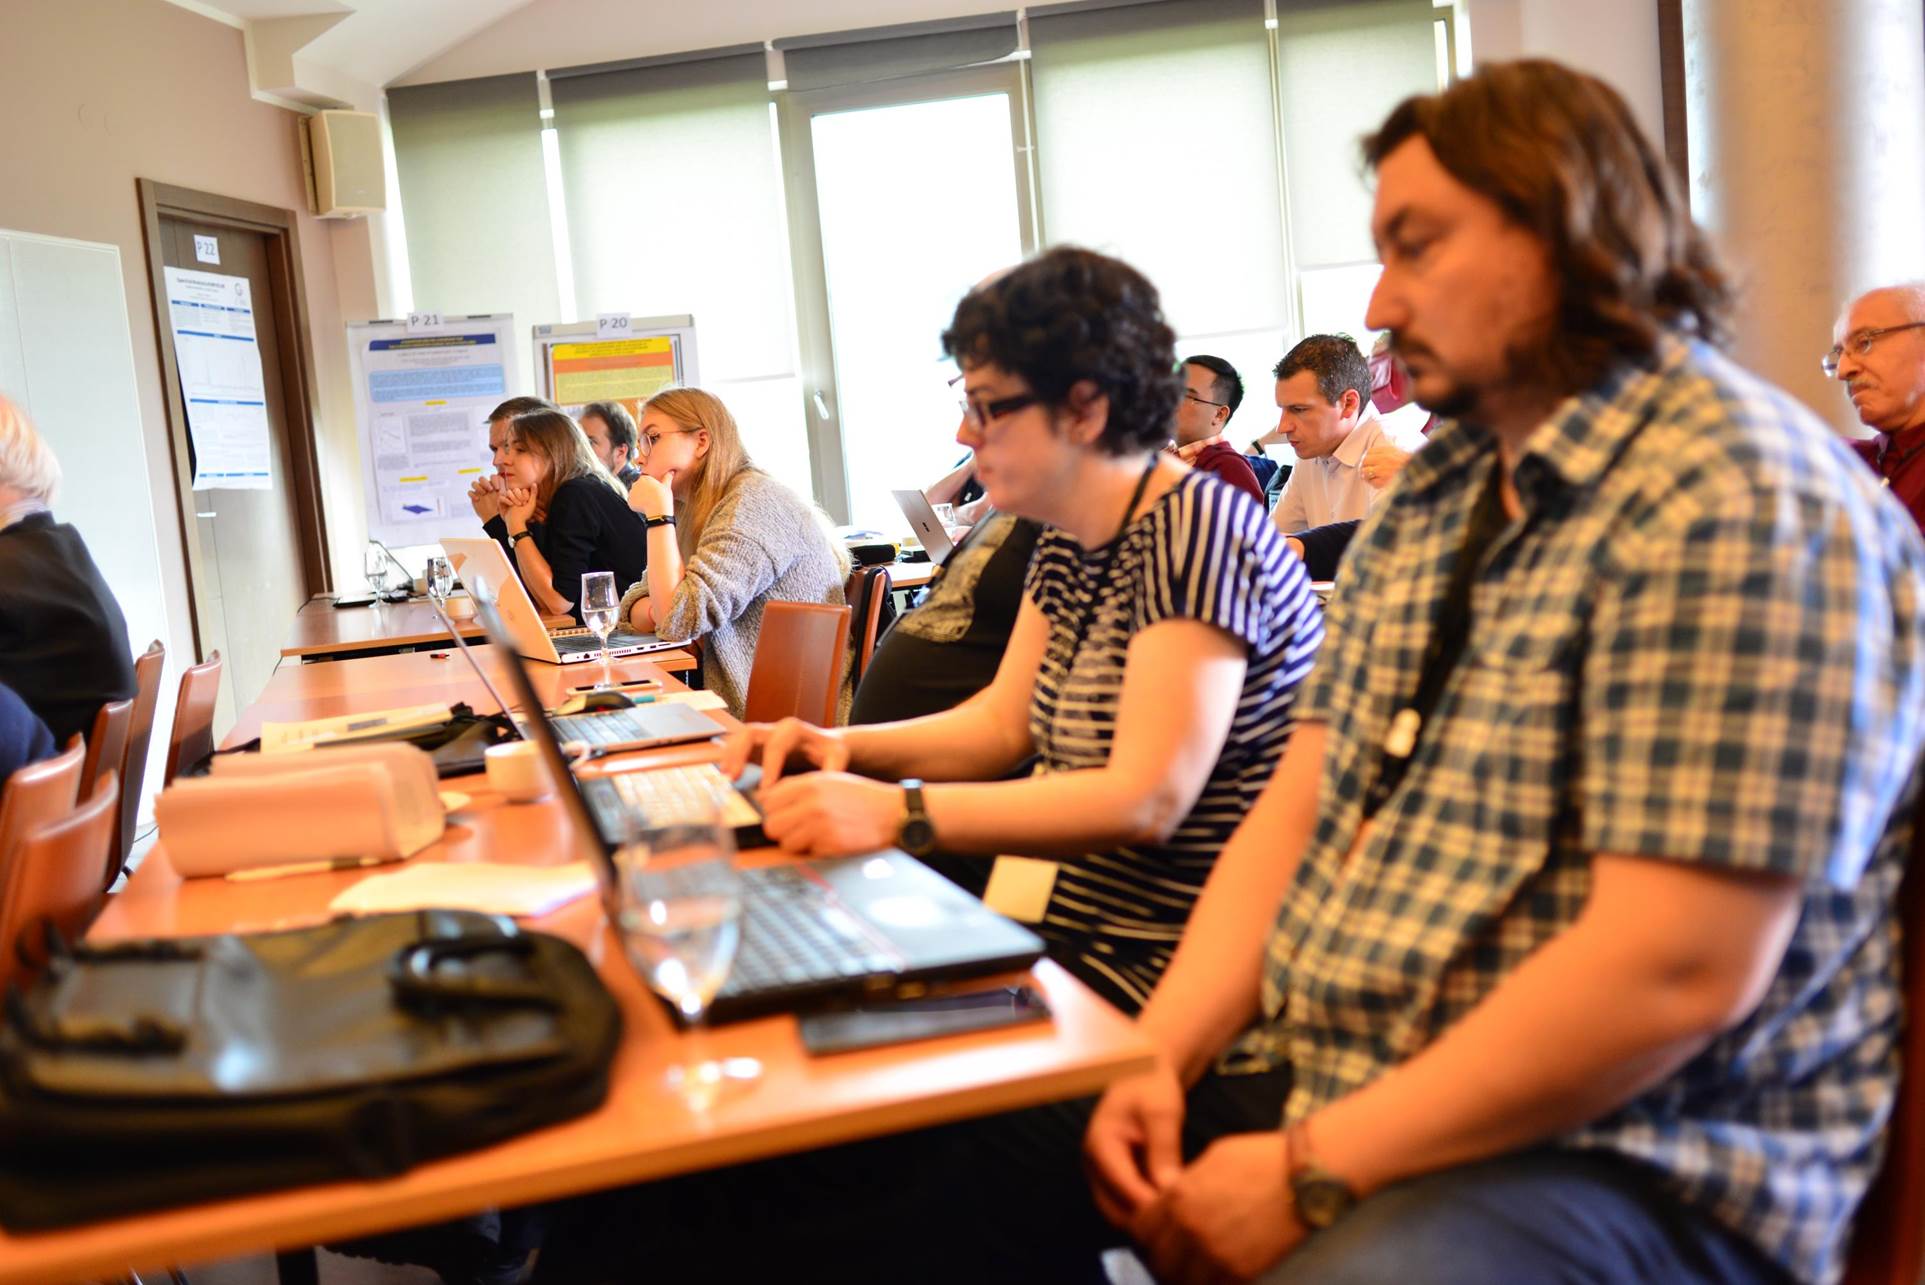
[679, 914]
[374, 565]
[600, 603]
[441, 580]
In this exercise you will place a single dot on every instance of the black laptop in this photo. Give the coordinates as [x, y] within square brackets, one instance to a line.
[815, 934]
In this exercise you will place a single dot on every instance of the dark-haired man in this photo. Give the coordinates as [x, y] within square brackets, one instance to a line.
[1212, 391]
[1570, 907]
[610, 431]
[1325, 413]
[1878, 353]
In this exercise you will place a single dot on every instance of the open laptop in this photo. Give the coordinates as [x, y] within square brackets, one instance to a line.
[815, 934]
[483, 557]
[604, 731]
[922, 519]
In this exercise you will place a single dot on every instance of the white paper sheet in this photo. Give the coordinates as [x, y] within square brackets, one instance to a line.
[522, 891]
[219, 357]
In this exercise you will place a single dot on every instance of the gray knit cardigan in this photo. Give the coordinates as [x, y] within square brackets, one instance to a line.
[762, 543]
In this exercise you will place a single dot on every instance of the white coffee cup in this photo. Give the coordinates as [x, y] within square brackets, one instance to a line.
[515, 771]
[461, 607]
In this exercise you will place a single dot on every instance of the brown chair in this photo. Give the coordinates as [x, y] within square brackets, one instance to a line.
[193, 738]
[798, 663]
[140, 736]
[867, 590]
[106, 744]
[1888, 1236]
[54, 880]
[34, 795]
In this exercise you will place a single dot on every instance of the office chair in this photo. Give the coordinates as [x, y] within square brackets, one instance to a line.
[867, 591]
[192, 742]
[140, 736]
[53, 880]
[798, 663]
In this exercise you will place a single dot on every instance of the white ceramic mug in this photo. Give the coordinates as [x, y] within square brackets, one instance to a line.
[515, 771]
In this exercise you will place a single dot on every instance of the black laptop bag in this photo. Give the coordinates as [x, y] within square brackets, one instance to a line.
[144, 1074]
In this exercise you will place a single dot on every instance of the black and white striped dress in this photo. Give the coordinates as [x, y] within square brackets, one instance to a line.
[1204, 551]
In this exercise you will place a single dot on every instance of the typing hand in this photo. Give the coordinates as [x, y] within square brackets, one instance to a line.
[780, 745]
[1133, 1150]
[1382, 463]
[517, 506]
[1228, 1217]
[831, 814]
[652, 497]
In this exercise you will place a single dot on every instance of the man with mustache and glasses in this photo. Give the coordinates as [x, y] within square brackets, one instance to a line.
[1570, 906]
[1878, 354]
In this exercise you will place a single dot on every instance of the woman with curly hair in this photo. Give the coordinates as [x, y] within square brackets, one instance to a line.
[1163, 632]
[563, 513]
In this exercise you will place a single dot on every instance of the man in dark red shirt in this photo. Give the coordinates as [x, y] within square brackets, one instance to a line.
[1211, 392]
[1878, 353]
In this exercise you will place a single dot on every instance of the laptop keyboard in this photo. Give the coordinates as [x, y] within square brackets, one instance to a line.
[795, 933]
[667, 794]
[605, 727]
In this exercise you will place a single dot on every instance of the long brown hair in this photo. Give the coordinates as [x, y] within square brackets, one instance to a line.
[1562, 156]
[712, 475]
[560, 443]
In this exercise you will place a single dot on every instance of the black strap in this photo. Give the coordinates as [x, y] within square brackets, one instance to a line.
[1487, 521]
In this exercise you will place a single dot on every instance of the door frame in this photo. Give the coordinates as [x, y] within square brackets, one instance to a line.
[281, 231]
[821, 399]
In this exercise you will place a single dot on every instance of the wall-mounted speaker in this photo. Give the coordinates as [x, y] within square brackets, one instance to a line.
[342, 155]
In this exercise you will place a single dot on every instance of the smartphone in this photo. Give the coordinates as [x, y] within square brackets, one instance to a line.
[898, 1021]
[620, 685]
[355, 602]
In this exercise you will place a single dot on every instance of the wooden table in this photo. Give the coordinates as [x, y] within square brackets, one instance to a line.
[323, 631]
[362, 683]
[644, 1130]
[911, 575]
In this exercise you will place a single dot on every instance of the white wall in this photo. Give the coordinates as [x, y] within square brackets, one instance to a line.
[1615, 40]
[565, 33]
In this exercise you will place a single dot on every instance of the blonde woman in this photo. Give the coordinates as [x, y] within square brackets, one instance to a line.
[724, 540]
[564, 513]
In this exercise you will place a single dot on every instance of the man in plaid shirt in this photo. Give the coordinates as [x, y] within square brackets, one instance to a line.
[1586, 847]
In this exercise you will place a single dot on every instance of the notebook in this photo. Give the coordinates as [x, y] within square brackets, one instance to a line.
[524, 630]
[815, 934]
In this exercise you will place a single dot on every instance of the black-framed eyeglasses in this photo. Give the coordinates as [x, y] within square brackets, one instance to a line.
[1189, 396]
[980, 416]
[1860, 344]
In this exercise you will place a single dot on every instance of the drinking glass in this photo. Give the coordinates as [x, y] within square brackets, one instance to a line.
[374, 565]
[441, 580]
[600, 603]
[679, 913]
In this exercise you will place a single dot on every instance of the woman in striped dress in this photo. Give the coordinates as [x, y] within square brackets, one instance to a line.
[1163, 632]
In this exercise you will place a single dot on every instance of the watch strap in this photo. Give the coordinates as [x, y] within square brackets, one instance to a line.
[520, 535]
[666, 519]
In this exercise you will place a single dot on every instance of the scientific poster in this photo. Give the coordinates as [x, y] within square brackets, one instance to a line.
[629, 371]
[423, 396]
[219, 357]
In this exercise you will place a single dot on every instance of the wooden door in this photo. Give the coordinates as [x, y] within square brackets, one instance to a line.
[251, 575]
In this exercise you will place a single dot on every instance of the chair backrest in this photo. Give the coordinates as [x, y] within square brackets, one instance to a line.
[193, 738]
[798, 663]
[106, 744]
[140, 735]
[55, 879]
[34, 795]
[867, 590]
[1888, 1236]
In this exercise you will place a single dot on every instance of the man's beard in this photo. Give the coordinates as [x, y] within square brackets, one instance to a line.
[1527, 364]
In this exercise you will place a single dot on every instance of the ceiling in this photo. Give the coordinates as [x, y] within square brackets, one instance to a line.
[375, 41]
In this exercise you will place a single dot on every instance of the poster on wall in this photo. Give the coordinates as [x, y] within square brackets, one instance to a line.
[582, 362]
[422, 395]
[219, 356]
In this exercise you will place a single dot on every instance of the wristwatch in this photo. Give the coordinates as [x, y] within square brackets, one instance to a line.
[519, 536]
[667, 519]
[1322, 1197]
[916, 835]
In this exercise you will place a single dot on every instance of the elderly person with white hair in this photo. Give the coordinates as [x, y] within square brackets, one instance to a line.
[63, 640]
[1878, 354]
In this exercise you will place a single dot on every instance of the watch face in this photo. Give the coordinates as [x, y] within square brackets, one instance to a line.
[918, 836]
[1322, 1199]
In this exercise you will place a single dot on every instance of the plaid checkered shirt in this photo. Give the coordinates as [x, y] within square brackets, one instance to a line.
[1700, 642]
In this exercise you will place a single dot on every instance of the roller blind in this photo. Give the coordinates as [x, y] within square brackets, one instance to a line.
[888, 53]
[468, 161]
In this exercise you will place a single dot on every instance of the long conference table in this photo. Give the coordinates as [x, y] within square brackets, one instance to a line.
[644, 1130]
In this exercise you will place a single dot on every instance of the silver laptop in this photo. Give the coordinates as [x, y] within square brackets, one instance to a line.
[483, 557]
[922, 519]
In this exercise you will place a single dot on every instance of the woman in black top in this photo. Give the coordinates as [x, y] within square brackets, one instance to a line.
[564, 514]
